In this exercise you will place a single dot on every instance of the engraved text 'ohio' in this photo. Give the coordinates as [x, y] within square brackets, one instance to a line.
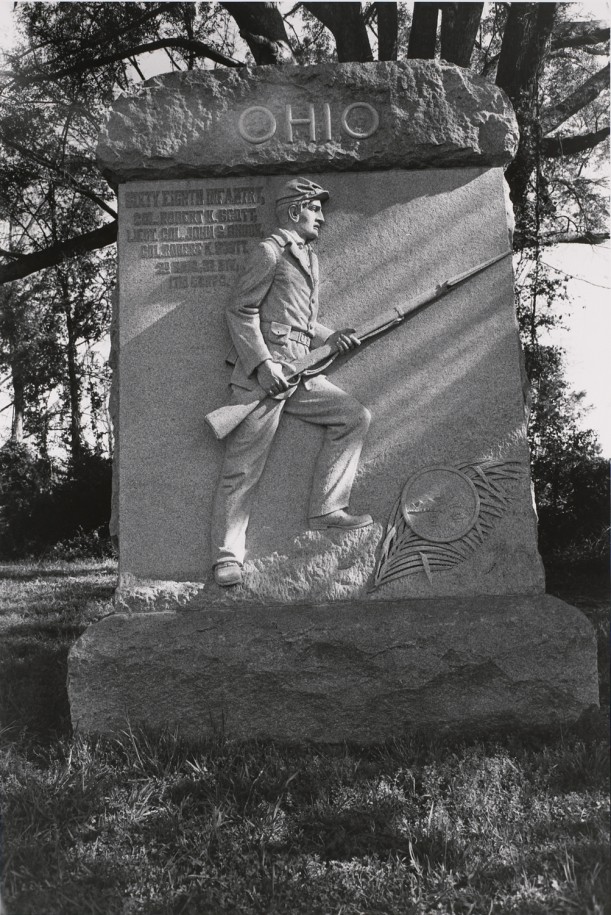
[258, 124]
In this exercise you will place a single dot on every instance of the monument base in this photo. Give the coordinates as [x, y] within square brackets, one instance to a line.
[362, 671]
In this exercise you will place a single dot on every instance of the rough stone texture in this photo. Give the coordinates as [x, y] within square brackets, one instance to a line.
[445, 388]
[185, 124]
[321, 566]
[337, 672]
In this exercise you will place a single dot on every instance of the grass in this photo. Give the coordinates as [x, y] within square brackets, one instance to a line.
[148, 825]
[44, 607]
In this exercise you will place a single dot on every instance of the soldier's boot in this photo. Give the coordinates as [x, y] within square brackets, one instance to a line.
[228, 573]
[339, 520]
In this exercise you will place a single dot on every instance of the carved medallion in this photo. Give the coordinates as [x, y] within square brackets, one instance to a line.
[440, 504]
[442, 516]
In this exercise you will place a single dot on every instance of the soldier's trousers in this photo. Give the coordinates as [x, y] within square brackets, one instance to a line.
[319, 402]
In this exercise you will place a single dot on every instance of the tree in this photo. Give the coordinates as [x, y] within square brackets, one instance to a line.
[571, 477]
[30, 356]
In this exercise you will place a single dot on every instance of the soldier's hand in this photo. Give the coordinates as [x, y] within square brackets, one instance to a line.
[271, 377]
[343, 340]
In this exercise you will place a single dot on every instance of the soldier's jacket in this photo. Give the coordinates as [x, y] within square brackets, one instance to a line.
[276, 293]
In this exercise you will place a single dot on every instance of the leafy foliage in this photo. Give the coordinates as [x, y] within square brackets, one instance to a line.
[570, 476]
[25, 481]
[66, 508]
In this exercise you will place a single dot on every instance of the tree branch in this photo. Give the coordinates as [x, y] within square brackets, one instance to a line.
[575, 238]
[346, 23]
[47, 163]
[186, 44]
[566, 238]
[56, 253]
[578, 34]
[262, 27]
[587, 92]
[554, 147]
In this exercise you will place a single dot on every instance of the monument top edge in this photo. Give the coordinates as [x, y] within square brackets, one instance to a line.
[276, 119]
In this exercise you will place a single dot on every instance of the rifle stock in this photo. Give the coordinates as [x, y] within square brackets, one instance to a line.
[225, 419]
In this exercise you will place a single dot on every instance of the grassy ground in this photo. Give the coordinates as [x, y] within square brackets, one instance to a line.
[145, 825]
[44, 607]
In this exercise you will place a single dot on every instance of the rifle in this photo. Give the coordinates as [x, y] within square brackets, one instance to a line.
[225, 419]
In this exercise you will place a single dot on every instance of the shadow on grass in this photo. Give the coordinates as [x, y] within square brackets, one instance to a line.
[359, 833]
[70, 601]
[586, 585]
[32, 572]
[33, 672]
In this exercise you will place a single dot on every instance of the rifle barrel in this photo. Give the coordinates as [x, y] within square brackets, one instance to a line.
[480, 267]
[399, 312]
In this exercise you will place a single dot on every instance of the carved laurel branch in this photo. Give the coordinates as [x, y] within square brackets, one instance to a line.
[403, 552]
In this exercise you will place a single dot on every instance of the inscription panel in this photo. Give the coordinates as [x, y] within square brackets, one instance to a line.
[193, 238]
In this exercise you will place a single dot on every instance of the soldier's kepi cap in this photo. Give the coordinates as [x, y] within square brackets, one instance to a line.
[298, 190]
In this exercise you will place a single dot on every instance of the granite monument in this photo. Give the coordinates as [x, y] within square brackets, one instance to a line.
[435, 613]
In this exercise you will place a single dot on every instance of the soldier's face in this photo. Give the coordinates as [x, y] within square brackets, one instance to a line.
[310, 220]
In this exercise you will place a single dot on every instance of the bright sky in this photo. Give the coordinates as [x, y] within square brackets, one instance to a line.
[587, 337]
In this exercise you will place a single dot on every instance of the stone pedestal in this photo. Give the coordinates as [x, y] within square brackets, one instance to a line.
[435, 615]
[358, 671]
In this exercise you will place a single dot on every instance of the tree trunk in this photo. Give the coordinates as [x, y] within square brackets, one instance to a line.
[74, 394]
[580, 34]
[9, 332]
[73, 384]
[262, 28]
[423, 33]
[527, 36]
[346, 24]
[18, 405]
[388, 26]
[459, 25]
